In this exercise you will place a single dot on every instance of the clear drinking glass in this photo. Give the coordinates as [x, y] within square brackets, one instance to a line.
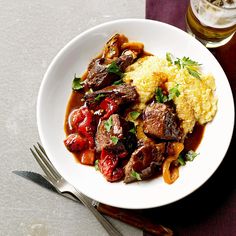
[213, 25]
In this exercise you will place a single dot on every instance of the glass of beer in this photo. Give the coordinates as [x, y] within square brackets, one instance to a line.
[213, 25]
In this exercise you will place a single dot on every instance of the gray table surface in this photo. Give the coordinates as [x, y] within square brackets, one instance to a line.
[31, 33]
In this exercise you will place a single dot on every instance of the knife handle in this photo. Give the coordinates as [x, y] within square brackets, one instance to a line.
[136, 220]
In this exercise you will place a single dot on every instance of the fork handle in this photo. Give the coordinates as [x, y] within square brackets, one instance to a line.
[111, 230]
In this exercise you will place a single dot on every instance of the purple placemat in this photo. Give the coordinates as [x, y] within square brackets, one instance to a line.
[211, 210]
[168, 11]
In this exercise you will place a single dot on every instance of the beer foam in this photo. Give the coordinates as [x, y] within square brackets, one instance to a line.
[213, 16]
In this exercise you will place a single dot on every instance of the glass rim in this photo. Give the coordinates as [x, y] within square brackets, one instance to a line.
[220, 8]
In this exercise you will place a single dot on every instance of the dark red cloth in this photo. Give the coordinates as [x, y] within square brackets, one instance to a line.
[210, 210]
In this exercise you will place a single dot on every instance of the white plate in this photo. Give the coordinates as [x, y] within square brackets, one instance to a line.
[55, 91]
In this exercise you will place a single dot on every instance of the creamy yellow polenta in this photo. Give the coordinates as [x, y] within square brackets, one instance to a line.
[196, 102]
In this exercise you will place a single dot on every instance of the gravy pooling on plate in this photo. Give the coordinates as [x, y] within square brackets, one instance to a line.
[124, 116]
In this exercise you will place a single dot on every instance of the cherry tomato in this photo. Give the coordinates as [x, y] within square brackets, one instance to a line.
[81, 121]
[109, 106]
[75, 143]
[108, 166]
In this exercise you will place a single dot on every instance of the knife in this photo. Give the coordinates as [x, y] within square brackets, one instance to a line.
[127, 216]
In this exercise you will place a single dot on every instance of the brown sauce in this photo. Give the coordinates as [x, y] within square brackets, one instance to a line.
[194, 139]
[191, 142]
[76, 101]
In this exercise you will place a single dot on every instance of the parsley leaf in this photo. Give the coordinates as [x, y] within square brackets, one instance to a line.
[194, 73]
[114, 139]
[136, 175]
[96, 165]
[134, 114]
[133, 130]
[77, 84]
[191, 66]
[181, 160]
[108, 124]
[169, 57]
[114, 68]
[173, 92]
[160, 97]
[99, 96]
[120, 81]
[191, 155]
[185, 62]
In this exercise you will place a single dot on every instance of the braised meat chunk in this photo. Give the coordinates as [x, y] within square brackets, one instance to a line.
[98, 76]
[108, 68]
[112, 48]
[146, 161]
[110, 134]
[160, 121]
[120, 94]
[102, 73]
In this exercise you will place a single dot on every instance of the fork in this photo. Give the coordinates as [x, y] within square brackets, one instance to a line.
[63, 187]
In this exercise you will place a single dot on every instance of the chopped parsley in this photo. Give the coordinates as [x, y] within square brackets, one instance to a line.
[185, 62]
[133, 130]
[96, 165]
[173, 92]
[181, 160]
[191, 66]
[120, 81]
[136, 175]
[114, 139]
[99, 96]
[108, 124]
[190, 156]
[134, 114]
[169, 58]
[77, 84]
[114, 68]
[161, 98]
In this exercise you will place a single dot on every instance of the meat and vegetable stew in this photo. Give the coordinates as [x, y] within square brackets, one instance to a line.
[129, 129]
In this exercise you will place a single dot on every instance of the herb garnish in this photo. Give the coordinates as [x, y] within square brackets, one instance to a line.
[136, 175]
[169, 57]
[114, 139]
[99, 96]
[185, 62]
[190, 65]
[181, 160]
[114, 68]
[120, 81]
[77, 84]
[96, 165]
[161, 98]
[189, 156]
[173, 92]
[134, 114]
[133, 130]
[108, 124]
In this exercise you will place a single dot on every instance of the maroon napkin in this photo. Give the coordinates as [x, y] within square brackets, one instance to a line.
[210, 210]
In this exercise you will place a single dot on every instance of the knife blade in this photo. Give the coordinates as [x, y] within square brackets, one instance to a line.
[127, 216]
[42, 181]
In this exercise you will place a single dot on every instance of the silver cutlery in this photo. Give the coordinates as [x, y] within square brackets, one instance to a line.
[62, 186]
[131, 217]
